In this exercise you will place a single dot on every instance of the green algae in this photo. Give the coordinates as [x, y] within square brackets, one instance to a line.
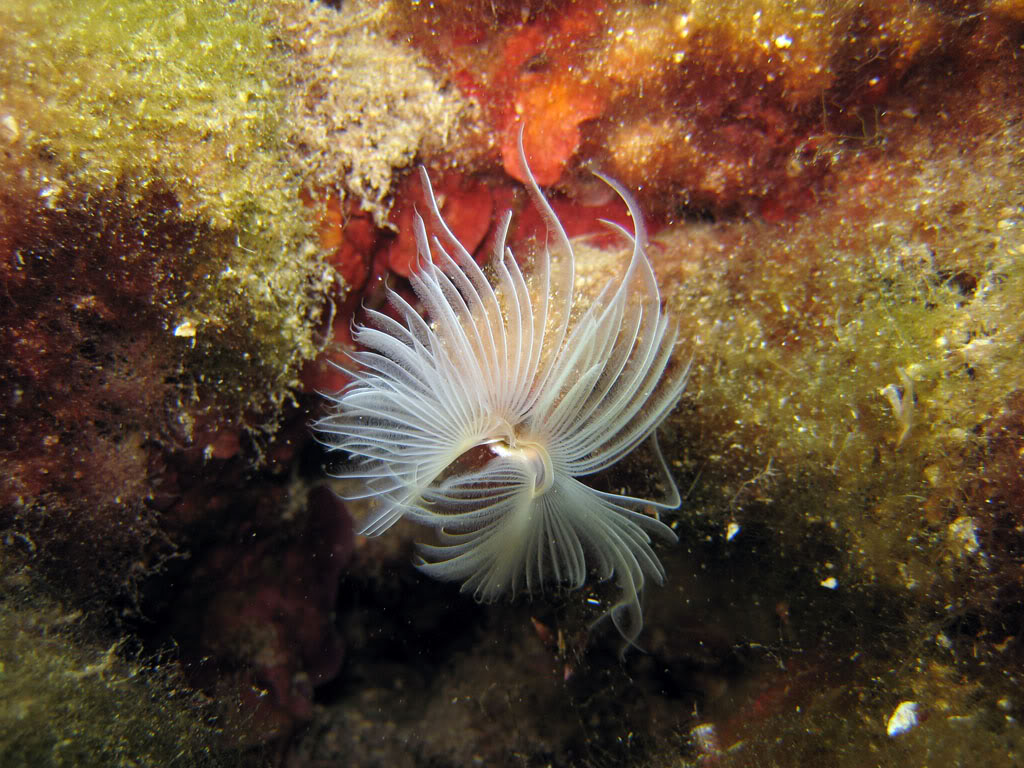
[362, 106]
[185, 91]
[69, 697]
[804, 335]
[856, 405]
[186, 98]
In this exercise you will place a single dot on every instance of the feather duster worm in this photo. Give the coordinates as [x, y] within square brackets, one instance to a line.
[481, 422]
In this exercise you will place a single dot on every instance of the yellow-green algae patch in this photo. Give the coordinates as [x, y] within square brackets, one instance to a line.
[856, 403]
[363, 106]
[186, 97]
[185, 91]
[69, 697]
[861, 354]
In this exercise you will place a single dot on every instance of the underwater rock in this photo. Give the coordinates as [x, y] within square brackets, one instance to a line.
[257, 619]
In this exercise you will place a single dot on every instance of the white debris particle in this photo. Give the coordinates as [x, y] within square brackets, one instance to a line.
[830, 583]
[783, 41]
[10, 129]
[903, 718]
[963, 532]
[185, 328]
[731, 530]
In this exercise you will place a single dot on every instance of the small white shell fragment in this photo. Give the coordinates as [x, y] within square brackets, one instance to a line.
[731, 530]
[963, 532]
[186, 328]
[10, 131]
[903, 718]
[830, 583]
